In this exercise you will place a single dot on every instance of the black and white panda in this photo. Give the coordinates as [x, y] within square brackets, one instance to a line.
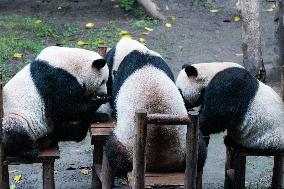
[233, 99]
[53, 96]
[142, 79]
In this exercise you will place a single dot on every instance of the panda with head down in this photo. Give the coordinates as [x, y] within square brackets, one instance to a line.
[232, 99]
[52, 97]
[140, 78]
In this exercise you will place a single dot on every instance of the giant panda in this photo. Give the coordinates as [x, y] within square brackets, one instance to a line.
[53, 96]
[232, 99]
[142, 79]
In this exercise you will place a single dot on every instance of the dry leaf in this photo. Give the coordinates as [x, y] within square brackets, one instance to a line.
[115, 6]
[237, 18]
[145, 33]
[142, 40]
[18, 55]
[99, 42]
[273, 6]
[148, 29]
[59, 8]
[167, 7]
[81, 43]
[269, 10]
[168, 25]
[38, 21]
[17, 178]
[239, 54]
[84, 171]
[12, 186]
[12, 171]
[127, 36]
[123, 32]
[173, 17]
[90, 25]
[214, 10]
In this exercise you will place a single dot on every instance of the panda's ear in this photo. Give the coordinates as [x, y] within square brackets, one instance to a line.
[99, 63]
[191, 71]
[185, 65]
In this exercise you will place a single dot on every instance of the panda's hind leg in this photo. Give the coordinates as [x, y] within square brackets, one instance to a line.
[117, 157]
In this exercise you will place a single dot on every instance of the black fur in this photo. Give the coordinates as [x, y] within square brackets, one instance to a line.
[64, 98]
[99, 63]
[191, 71]
[226, 100]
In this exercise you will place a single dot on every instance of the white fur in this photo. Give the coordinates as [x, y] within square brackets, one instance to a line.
[21, 100]
[150, 88]
[78, 62]
[263, 125]
[126, 46]
[191, 86]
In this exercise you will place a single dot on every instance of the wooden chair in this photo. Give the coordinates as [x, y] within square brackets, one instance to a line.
[46, 157]
[235, 167]
[191, 179]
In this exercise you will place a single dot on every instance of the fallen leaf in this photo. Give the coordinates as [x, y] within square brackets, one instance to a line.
[168, 25]
[145, 33]
[173, 17]
[90, 25]
[84, 171]
[115, 6]
[12, 171]
[123, 32]
[12, 186]
[127, 36]
[273, 6]
[167, 7]
[215, 10]
[18, 55]
[38, 21]
[99, 42]
[148, 29]
[269, 10]
[71, 167]
[59, 8]
[81, 43]
[237, 18]
[17, 178]
[142, 40]
[239, 54]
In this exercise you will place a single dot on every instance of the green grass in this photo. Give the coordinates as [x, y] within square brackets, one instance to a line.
[140, 24]
[23, 35]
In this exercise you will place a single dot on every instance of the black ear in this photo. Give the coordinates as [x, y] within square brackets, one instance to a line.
[185, 65]
[99, 63]
[191, 71]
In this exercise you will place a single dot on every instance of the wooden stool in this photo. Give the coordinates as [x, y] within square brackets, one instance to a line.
[46, 157]
[235, 167]
[99, 133]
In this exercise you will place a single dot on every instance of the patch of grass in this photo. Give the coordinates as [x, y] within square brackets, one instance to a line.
[140, 24]
[127, 5]
[208, 4]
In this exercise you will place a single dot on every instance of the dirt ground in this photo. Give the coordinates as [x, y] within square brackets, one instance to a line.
[197, 35]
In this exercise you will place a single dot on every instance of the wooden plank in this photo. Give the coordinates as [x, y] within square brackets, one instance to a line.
[102, 50]
[109, 124]
[139, 149]
[277, 178]
[48, 175]
[106, 173]
[160, 179]
[191, 153]
[282, 83]
[100, 131]
[240, 171]
[167, 119]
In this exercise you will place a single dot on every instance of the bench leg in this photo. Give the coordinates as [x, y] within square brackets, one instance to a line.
[240, 171]
[229, 171]
[107, 177]
[97, 159]
[199, 180]
[277, 178]
[48, 175]
[4, 177]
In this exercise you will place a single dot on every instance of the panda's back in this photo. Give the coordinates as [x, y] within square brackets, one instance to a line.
[150, 88]
[21, 98]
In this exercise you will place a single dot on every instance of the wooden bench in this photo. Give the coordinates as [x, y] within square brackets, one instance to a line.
[46, 157]
[235, 167]
[102, 177]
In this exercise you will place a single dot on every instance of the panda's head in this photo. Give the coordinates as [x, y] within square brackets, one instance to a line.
[123, 48]
[193, 79]
[88, 67]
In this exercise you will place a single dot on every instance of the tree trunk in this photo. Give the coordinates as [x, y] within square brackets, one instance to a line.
[279, 35]
[251, 46]
[151, 9]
